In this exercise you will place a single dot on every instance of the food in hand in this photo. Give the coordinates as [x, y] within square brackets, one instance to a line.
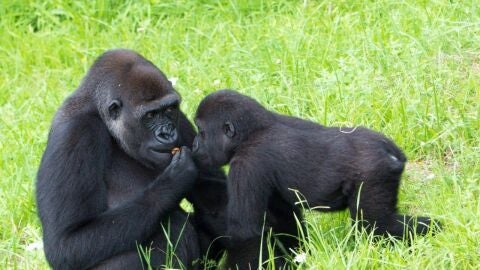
[175, 150]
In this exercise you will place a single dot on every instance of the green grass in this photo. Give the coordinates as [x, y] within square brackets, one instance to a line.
[410, 69]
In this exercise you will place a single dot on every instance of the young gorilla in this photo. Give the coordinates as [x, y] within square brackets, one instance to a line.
[108, 181]
[272, 155]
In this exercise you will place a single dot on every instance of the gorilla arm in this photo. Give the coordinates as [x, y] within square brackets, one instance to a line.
[209, 200]
[249, 192]
[79, 229]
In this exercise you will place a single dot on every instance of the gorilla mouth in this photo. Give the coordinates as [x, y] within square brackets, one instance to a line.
[165, 149]
[162, 150]
[159, 150]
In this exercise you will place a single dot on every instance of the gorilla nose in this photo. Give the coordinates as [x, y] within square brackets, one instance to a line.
[166, 134]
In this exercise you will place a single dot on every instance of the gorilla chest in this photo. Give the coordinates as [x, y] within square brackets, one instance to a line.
[125, 179]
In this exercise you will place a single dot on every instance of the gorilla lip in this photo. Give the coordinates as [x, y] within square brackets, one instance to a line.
[172, 151]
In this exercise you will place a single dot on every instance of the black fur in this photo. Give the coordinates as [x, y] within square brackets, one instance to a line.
[271, 156]
[107, 181]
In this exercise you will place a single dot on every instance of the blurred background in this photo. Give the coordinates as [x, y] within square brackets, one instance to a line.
[409, 69]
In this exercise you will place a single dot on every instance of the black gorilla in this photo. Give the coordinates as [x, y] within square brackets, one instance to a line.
[211, 220]
[272, 156]
[108, 183]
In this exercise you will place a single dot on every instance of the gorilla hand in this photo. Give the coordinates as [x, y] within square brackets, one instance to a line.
[182, 170]
[175, 181]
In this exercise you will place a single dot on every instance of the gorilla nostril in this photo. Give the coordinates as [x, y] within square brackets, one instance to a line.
[159, 133]
[166, 134]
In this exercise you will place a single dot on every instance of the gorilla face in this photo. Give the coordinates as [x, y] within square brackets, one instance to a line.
[142, 114]
[151, 132]
[215, 142]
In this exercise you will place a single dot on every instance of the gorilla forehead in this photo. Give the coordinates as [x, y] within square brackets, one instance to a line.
[139, 80]
[145, 83]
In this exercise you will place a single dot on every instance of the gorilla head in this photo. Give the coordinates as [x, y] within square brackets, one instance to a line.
[138, 105]
[225, 119]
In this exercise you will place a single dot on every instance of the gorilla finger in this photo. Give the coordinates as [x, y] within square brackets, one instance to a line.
[176, 157]
[186, 149]
[185, 152]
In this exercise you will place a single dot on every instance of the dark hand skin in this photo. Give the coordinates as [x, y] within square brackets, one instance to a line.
[182, 167]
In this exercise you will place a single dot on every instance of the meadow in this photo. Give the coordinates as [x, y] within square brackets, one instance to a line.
[410, 69]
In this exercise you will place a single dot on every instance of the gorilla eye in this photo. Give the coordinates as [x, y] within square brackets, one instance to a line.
[150, 115]
[171, 108]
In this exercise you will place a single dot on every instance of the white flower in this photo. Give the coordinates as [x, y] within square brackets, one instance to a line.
[34, 246]
[216, 82]
[173, 80]
[300, 258]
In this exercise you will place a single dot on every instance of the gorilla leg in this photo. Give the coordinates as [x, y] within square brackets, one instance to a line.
[180, 246]
[245, 254]
[287, 233]
[211, 248]
[176, 242]
[284, 218]
[376, 198]
[127, 260]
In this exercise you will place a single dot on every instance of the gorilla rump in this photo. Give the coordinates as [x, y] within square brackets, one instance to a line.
[272, 156]
[107, 181]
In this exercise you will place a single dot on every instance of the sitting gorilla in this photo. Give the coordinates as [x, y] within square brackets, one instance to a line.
[275, 157]
[108, 183]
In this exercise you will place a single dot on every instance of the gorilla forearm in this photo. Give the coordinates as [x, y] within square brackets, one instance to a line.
[245, 254]
[114, 231]
[209, 199]
[247, 207]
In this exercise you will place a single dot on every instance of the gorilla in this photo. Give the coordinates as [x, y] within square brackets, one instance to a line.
[109, 187]
[274, 157]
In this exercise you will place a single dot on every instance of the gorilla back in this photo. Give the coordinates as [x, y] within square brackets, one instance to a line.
[272, 155]
[107, 181]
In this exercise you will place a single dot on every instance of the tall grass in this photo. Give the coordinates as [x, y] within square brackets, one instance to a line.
[409, 68]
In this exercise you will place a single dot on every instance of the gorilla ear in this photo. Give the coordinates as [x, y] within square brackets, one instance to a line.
[114, 108]
[229, 129]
